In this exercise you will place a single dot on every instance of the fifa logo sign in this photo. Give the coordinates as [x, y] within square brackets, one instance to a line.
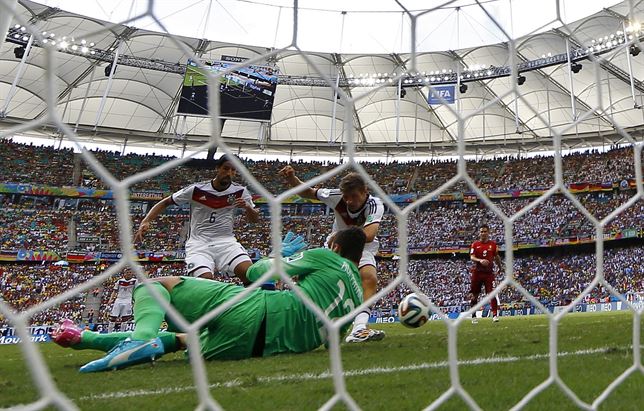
[440, 94]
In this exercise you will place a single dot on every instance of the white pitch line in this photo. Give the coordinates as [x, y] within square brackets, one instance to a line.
[161, 391]
[347, 373]
[425, 366]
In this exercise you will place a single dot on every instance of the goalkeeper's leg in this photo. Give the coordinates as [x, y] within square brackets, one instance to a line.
[192, 298]
[144, 344]
[69, 335]
[105, 342]
[148, 316]
[148, 313]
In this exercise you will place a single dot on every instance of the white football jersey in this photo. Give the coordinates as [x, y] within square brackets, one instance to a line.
[370, 213]
[211, 211]
[124, 289]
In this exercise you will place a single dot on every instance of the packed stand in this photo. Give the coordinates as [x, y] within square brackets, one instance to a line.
[166, 233]
[33, 229]
[32, 164]
[436, 224]
[266, 172]
[455, 223]
[25, 285]
[552, 280]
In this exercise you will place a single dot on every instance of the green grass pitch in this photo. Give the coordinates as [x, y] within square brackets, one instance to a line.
[500, 363]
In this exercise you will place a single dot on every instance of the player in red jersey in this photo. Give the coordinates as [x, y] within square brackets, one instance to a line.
[484, 253]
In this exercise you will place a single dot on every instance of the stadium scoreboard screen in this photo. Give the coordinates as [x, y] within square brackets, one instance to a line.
[244, 93]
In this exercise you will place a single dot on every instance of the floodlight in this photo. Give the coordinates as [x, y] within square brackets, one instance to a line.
[19, 52]
[108, 70]
[634, 50]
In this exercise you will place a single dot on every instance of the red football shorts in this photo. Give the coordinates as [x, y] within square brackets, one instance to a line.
[482, 278]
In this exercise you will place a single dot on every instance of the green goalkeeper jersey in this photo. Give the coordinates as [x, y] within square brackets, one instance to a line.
[329, 280]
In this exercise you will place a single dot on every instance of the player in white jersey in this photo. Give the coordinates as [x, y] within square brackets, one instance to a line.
[353, 206]
[121, 301]
[211, 244]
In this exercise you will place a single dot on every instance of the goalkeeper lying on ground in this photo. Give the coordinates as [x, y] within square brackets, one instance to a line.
[264, 323]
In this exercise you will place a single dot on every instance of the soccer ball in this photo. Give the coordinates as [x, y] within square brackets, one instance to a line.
[412, 311]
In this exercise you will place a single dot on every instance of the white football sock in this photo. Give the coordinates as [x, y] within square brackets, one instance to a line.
[361, 321]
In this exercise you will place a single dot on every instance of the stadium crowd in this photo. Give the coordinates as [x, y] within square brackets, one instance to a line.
[437, 224]
[33, 229]
[552, 280]
[25, 285]
[452, 223]
[29, 164]
[65, 224]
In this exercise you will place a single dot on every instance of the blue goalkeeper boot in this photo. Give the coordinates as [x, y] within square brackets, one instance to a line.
[125, 354]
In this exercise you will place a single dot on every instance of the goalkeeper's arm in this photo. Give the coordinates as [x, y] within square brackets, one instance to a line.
[293, 264]
[266, 264]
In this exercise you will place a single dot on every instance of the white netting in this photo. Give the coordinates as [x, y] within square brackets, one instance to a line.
[50, 395]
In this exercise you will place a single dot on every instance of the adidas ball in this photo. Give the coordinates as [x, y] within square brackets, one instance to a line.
[412, 311]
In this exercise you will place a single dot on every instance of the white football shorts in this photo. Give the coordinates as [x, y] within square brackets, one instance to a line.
[121, 308]
[223, 256]
[368, 253]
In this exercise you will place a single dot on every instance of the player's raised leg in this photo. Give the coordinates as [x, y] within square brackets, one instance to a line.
[199, 263]
[240, 272]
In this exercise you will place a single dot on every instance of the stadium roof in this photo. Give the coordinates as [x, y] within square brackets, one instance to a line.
[141, 99]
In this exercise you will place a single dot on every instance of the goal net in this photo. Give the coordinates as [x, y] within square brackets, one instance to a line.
[51, 395]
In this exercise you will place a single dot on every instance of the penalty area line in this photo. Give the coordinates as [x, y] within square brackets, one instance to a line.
[347, 373]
